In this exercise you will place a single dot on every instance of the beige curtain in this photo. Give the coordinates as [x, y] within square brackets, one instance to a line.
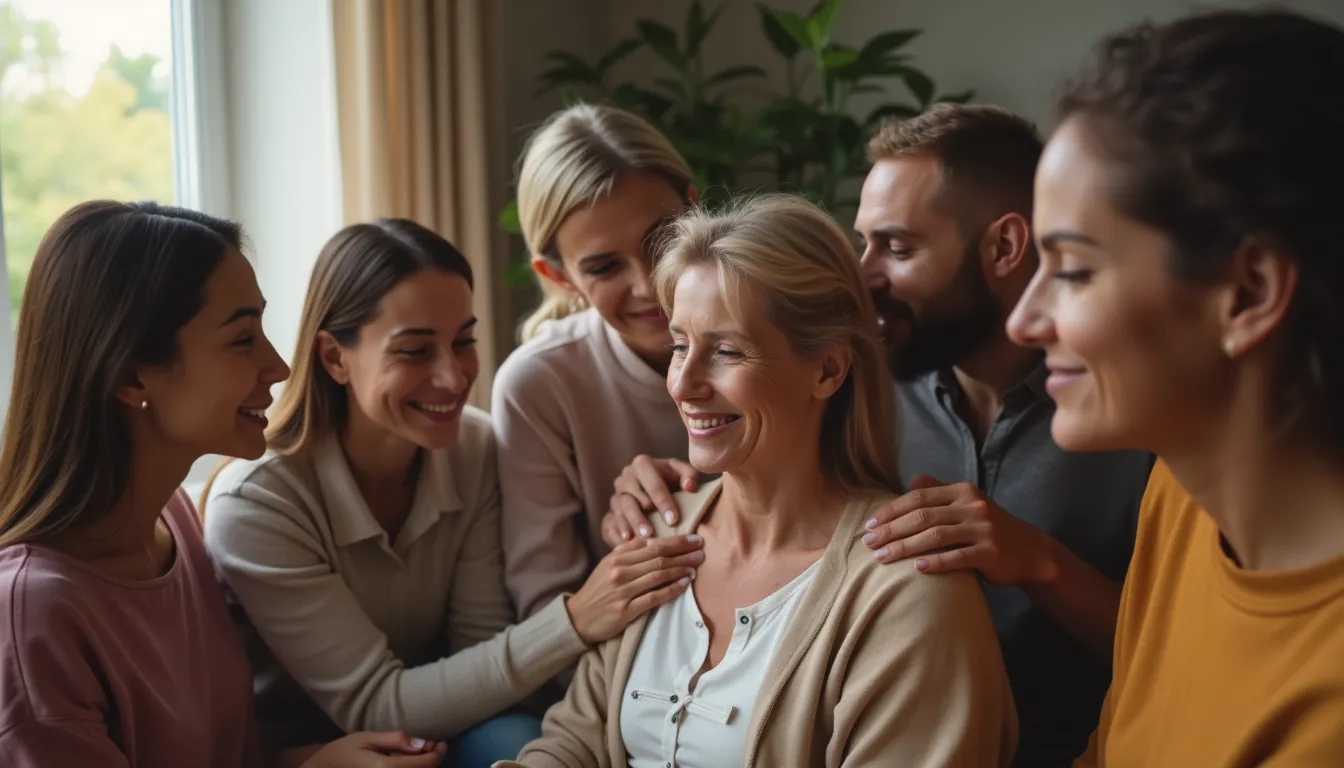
[421, 130]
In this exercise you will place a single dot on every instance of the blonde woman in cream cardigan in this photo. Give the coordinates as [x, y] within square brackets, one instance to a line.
[794, 647]
[364, 547]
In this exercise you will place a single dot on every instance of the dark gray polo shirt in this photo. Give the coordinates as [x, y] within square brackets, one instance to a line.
[1087, 501]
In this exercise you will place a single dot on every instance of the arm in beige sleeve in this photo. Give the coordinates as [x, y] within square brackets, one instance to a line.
[275, 564]
[479, 607]
[544, 554]
[574, 732]
[926, 686]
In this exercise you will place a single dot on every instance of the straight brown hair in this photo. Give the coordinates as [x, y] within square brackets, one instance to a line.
[111, 286]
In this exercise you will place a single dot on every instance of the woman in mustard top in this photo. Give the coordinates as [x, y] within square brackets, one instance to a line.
[1190, 301]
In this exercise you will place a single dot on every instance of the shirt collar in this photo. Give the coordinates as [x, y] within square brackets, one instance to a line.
[943, 383]
[349, 515]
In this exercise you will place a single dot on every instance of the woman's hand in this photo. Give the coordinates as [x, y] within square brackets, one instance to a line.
[392, 749]
[645, 487]
[635, 578]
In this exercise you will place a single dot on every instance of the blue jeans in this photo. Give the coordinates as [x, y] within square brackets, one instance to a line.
[499, 738]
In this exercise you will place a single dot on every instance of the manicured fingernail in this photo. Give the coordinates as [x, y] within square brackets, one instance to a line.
[417, 743]
[694, 539]
[871, 524]
[922, 564]
[685, 581]
[697, 557]
[881, 553]
[670, 517]
[625, 535]
[644, 531]
[869, 538]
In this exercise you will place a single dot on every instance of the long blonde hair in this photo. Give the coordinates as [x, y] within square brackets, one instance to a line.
[356, 269]
[796, 257]
[572, 161]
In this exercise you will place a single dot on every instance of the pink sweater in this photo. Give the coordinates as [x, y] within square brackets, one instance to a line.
[101, 672]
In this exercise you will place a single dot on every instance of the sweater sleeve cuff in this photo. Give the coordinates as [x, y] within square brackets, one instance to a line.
[548, 640]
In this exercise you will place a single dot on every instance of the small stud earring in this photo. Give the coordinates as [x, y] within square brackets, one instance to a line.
[144, 405]
[1230, 347]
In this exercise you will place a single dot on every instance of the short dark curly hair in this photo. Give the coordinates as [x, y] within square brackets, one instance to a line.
[1220, 131]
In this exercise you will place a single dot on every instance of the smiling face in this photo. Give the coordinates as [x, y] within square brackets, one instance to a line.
[925, 274]
[212, 398]
[605, 249]
[411, 368]
[747, 399]
[1133, 351]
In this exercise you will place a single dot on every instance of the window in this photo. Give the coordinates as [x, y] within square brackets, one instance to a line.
[85, 113]
[97, 100]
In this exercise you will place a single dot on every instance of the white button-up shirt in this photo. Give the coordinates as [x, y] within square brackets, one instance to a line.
[663, 722]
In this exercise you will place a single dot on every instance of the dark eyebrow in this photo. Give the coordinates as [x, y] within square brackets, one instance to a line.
[469, 324]
[894, 231]
[654, 227]
[243, 312]
[1051, 240]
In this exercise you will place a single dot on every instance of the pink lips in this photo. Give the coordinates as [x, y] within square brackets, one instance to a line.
[654, 317]
[1060, 378]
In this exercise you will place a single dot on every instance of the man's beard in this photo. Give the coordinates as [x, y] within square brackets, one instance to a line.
[956, 323]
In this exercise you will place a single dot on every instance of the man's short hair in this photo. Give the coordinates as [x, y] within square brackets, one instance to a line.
[987, 155]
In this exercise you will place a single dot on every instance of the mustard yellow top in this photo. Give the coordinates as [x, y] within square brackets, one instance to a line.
[1215, 665]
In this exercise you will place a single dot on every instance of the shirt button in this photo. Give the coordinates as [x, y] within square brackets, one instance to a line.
[674, 718]
[634, 694]
[744, 620]
[674, 698]
[699, 625]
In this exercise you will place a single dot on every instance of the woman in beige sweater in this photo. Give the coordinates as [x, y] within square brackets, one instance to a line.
[364, 548]
[794, 647]
[584, 394]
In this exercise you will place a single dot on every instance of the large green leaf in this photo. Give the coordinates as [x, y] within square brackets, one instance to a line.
[775, 32]
[920, 85]
[656, 34]
[794, 26]
[618, 52]
[734, 73]
[838, 57]
[821, 23]
[887, 42]
[698, 26]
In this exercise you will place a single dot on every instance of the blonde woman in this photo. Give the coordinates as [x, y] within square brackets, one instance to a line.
[584, 394]
[794, 646]
[364, 546]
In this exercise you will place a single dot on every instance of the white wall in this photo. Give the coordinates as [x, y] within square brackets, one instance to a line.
[1013, 52]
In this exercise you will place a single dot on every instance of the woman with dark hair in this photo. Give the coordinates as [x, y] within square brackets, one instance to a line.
[139, 350]
[365, 546]
[1190, 302]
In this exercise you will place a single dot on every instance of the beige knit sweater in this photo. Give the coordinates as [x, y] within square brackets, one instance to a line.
[882, 666]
